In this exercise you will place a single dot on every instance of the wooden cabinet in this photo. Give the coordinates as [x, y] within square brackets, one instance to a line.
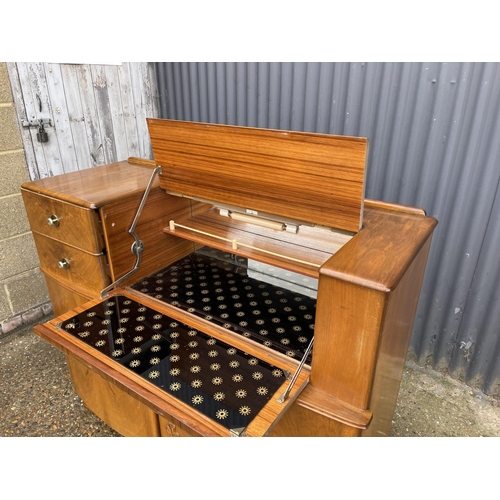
[79, 222]
[253, 284]
[69, 244]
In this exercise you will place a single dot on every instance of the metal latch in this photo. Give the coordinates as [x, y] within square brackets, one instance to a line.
[42, 122]
[41, 135]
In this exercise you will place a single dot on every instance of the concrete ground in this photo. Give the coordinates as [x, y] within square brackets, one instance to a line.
[37, 398]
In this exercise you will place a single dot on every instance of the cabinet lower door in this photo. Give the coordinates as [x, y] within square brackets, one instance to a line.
[150, 370]
[121, 411]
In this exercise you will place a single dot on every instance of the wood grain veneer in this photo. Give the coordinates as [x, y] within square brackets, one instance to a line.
[355, 287]
[319, 177]
[77, 225]
[123, 412]
[299, 421]
[94, 187]
[369, 279]
[171, 427]
[381, 252]
[86, 270]
[117, 219]
[64, 295]
[393, 345]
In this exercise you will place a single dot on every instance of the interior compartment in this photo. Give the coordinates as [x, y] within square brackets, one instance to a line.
[266, 304]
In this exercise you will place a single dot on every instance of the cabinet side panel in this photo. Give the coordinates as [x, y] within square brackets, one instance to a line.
[160, 249]
[346, 335]
[396, 333]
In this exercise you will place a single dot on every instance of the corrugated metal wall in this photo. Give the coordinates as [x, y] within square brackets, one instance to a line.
[434, 134]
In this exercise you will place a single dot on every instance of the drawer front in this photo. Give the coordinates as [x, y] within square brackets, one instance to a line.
[76, 226]
[64, 262]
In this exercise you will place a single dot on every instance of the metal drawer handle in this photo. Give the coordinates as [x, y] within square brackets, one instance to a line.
[63, 264]
[53, 220]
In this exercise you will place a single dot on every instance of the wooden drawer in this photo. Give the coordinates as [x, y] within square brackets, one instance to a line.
[76, 226]
[85, 270]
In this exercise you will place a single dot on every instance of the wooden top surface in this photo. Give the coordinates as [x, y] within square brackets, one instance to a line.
[380, 253]
[317, 178]
[93, 187]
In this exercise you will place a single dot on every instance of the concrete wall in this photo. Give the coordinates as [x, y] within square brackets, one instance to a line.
[23, 293]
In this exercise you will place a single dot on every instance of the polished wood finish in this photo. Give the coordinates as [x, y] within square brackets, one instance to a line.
[395, 336]
[85, 270]
[368, 280]
[112, 404]
[375, 281]
[144, 162]
[299, 421]
[76, 227]
[395, 207]
[366, 261]
[171, 427]
[63, 295]
[95, 208]
[306, 251]
[317, 413]
[95, 187]
[118, 217]
[333, 408]
[320, 177]
[360, 276]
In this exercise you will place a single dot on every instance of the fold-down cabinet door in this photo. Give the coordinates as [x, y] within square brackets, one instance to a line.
[184, 369]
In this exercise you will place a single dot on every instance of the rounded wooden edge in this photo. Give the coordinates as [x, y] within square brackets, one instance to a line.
[395, 207]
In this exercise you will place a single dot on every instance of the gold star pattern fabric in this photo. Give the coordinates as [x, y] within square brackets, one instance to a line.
[220, 288]
[214, 378]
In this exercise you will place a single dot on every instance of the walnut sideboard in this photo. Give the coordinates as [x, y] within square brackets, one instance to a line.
[254, 243]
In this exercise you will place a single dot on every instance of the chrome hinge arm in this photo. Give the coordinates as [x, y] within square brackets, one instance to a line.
[138, 245]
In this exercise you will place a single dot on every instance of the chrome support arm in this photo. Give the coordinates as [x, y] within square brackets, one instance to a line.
[137, 245]
[285, 395]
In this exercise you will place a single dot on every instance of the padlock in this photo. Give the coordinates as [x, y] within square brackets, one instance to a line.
[41, 135]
